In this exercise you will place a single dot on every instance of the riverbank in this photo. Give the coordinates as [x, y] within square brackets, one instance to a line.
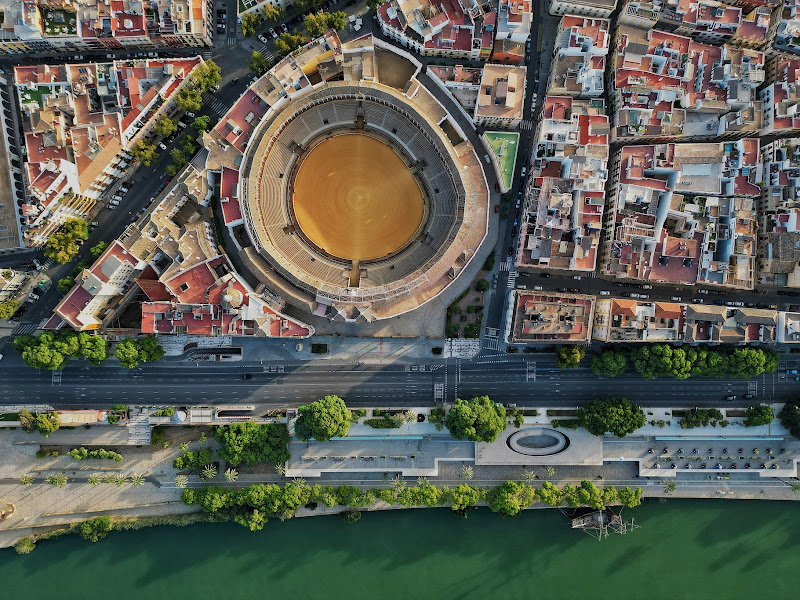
[682, 550]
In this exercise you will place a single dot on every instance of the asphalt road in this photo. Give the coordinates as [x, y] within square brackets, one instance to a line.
[525, 380]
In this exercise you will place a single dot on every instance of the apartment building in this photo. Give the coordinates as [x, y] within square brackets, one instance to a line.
[741, 24]
[79, 121]
[451, 28]
[512, 31]
[780, 98]
[464, 83]
[786, 36]
[501, 97]
[543, 317]
[667, 87]
[705, 324]
[588, 8]
[579, 57]
[683, 213]
[619, 320]
[562, 217]
[778, 211]
[59, 26]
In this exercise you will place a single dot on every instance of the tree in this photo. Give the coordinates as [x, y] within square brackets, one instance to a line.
[181, 481]
[95, 529]
[759, 415]
[319, 23]
[287, 42]
[468, 472]
[201, 123]
[131, 352]
[26, 480]
[630, 498]
[137, 480]
[482, 286]
[93, 479]
[8, 308]
[178, 157]
[231, 475]
[372, 6]
[569, 357]
[257, 63]
[615, 415]
[478, 419]
[790, 417]
[249, 24]
[550, 494]
[510, 498]
[188, 99]
[251, 443]
[47, 423]
[63, 245]
[464, 496]
[65, 284]
[272, 13]
[670, 486]
[323, 419]
[207, 75]
[97, 250]
[165, 126]
[144, 152]
[609, 363]
[208, 472]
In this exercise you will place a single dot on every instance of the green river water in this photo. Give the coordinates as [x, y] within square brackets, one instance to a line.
[683, 549]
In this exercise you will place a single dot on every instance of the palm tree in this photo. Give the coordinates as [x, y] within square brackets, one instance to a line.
[398, 483]
[669, 486]
[299, 481]
[422, 481]
[795, 487]
[120, 480]
[281, 469]
[184, 446]
[94, 479]
[208, 472]
[550, 471]
[137, 479]
[56, 480]
[528, 475]
[108, 478]
[467, 472]
[26, 480]
[231, 475]
[181, 481]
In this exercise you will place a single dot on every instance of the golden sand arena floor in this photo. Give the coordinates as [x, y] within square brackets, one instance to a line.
[356, 199]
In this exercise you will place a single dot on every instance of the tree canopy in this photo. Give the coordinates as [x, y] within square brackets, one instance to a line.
[131, 352]
[165, 126]
[569, 357]
[52, 351]
[323, 419]
[201, 123]
[318, 23]
[759, 415]
[478, 419]
[144, 152]
[206, 76]
[45, 423]
[8, 308]
[250, 443]
[659, 360]
[272, 13]
[614, 415]
[258, 63]
[287, 42]
[63, 245]
[95, 529]
[511, 497]
[790, 417]
[249, 24]
[98, 249]
[188, 99]
[609, 363]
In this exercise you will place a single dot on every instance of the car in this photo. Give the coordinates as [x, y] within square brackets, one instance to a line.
[647, 287]
[285, 28]
[605, 293]
[162, 145]
[721, 293]
[510, 250]
[545, 275]
[729, 303]
[247, 375]
[496, 187]
[738, 303]
[94, 224]
[234, 80]
[791, 371]
[719, 302]
[562, 289]
[37, 264]
[515, 222]
[33, 297]
[25, 263]
[516, 213]
[676, 298]
[111, 206]
[1, 357]
[644, 296]
[273, 33]
[730, 398]
[538, 288]
[574, 290]
[496, 208]
[261, 38]
[577, 277]
[749, 396]
[617, 284]
[181, 124]
[215, 88]
[191, 115]
[796, 378]
[697, 300]
[702, 291]
[524, 170]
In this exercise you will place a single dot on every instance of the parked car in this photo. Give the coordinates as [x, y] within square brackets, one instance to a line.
[272, 33]
[562, 290]
[605, 293]
[644, 296]
[191, 115]
[261, 38]
[94, 224]
[749, 396]
[577, 277]
[675, 298]
[791, 371]
[496, 187]
[545, 275]
[697, 300]
[538, 288]
[635, 295]
[574, 290]
[647, 287]
[162, 145]
[702, 291]
[33, 297]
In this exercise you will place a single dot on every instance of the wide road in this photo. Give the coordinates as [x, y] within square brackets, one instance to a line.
[527, 381]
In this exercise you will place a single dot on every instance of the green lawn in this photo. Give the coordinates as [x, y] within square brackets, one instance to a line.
[504, 146]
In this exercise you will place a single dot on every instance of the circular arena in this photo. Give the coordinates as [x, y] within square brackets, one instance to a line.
[358, 200]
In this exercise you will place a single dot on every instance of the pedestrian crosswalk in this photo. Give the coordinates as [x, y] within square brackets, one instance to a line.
[232, 40]
[25, 328]
[526, 125]
[507, 264]
[492, 344]
[218, 106]
[267, 53]
[512, 279]
[47, 264]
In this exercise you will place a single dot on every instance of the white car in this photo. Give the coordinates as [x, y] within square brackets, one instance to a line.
[273, 34]
[111, 206]
[676, 298]
[605, 293]
[191, 115]
[577, 277]
[33, 297]
[261, 38]
[162, 146]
